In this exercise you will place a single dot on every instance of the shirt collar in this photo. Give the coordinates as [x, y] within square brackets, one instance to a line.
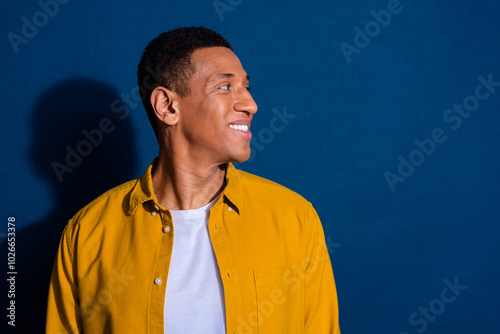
[143, 189]
[233, 192]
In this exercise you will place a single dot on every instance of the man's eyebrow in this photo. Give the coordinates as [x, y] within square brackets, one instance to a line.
[226, 75]
[220, 76]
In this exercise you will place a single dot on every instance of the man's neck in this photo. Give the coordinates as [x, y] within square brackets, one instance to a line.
[183, 184]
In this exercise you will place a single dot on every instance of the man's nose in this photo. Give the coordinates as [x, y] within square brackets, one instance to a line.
[246, 103]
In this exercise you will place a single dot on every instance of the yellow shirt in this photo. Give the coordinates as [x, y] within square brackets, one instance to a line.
[111, 269]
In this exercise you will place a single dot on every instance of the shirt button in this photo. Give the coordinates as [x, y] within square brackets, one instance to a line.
[153, 213]
[157, 207]
[158, 281]
[229, 209]
[166, 229]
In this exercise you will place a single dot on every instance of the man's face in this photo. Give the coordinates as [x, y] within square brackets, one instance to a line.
[215, 117]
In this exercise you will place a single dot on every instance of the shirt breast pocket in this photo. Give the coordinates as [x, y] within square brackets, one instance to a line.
[280, 301]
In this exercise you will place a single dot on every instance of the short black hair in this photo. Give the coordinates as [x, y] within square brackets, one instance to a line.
[166, 62]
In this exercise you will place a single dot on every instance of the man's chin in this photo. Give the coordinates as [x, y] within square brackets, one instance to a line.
[242, 157]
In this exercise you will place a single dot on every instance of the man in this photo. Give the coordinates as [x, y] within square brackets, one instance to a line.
[194, 245]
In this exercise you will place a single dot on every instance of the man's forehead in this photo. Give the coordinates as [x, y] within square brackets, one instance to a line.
[207, 52]
[217, 62]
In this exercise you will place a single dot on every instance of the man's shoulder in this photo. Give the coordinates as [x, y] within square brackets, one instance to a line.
[115, 198]
[254, 185]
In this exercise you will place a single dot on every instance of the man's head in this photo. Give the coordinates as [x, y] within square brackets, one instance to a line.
[166, 62]
[195, 89]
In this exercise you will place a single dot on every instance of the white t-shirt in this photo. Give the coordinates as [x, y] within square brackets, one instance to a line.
[194, 301]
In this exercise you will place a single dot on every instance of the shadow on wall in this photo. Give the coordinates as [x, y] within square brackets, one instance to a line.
[82, 148]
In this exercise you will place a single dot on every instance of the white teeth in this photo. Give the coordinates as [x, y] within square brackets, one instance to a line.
[239, 127]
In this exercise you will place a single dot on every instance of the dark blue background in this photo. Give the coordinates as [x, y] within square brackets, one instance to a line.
[391, 250]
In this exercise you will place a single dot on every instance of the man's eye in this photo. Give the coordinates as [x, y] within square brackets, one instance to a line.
[226, 87]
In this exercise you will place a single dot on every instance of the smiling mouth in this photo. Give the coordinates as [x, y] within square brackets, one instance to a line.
[239, 127]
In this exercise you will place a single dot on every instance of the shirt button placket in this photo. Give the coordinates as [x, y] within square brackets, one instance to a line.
[154, 213]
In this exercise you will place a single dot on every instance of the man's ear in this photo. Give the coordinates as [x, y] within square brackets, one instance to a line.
[164, 102]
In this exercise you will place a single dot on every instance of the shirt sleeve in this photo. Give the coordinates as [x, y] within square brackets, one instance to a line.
[321, 306]
[63, 314]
